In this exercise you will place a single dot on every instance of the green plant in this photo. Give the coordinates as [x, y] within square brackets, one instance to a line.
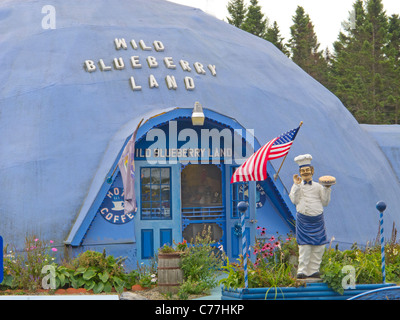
[166, 249]
[179, 247]
[95, 270]
[273, 266]
[201, 260]
[190, 286]
[235, 275]
[23, 270]
[147, 274]
[366, 264]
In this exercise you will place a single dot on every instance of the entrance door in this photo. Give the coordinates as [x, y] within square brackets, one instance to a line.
[202, 198]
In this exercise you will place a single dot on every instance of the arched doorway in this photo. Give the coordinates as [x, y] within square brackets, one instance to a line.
[202, 201]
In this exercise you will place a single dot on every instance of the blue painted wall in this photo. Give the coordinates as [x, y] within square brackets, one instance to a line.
[62, 127]
[388, 139]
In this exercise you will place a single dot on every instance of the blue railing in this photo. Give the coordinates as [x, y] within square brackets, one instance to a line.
[206, 213]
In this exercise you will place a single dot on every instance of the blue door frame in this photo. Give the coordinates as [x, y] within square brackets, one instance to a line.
[207, 215]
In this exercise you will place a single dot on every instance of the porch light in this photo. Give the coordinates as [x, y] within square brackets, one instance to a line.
[198, 115]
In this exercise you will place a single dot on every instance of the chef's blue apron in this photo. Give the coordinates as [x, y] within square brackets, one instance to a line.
[310, 230]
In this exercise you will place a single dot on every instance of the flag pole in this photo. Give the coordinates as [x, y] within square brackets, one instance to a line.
[276, 174]
[109, 179]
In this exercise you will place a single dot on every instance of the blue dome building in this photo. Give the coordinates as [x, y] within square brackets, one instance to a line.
[78, 77]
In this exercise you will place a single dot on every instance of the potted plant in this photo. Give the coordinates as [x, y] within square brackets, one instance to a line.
[170, 274]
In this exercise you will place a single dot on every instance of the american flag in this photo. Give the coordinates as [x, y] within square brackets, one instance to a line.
[255, 167]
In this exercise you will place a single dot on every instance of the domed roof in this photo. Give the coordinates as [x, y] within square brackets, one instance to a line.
[70, 81]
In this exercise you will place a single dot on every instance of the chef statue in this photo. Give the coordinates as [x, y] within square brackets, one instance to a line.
[310, 197]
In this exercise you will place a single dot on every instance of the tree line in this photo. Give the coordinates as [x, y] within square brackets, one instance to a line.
[363, 70]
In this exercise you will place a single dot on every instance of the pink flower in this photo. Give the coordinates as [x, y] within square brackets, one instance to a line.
[51, 241]
[36, 240]
[54, 249]
[267, 246]
[272, 238]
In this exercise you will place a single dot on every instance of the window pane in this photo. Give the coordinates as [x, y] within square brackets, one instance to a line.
[145, 192]
[155, 192]
[145, 175]
[155, 175]
[201, 186]
[165, 192]
[165, 175]
[146, 210]
[156, 210]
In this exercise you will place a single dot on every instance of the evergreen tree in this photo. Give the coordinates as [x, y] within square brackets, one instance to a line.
[255, 22]
[273, 35]
[237, 11]
[359, 64]
[344, 79]
[304, 47]
[393, 75]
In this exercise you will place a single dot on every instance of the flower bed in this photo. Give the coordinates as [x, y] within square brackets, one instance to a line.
[272, 270]
[36, 269]
[92, 272]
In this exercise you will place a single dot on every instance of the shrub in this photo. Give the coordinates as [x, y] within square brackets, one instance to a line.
[23, 270]
[200, 262]
[95, 270]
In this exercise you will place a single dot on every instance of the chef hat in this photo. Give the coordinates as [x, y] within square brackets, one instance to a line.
[303, 160]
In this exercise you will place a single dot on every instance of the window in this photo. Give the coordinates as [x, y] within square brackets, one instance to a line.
[240, 192]
[155, 185]
[201, 186]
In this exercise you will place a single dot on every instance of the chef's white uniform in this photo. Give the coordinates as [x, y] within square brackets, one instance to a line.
[310, 228]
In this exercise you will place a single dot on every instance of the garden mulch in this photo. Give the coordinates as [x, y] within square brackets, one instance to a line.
[148, 293]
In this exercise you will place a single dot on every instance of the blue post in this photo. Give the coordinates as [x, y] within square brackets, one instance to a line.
[242, 207]
[1, 260]
[381, 206]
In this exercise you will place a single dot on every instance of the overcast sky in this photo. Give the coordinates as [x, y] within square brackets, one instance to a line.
[326, 16]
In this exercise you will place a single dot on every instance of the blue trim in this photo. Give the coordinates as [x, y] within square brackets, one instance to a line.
[1, 260]
[236, 242]
[165, 237]
[147, 240]
[234, 191]
[278, 195]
